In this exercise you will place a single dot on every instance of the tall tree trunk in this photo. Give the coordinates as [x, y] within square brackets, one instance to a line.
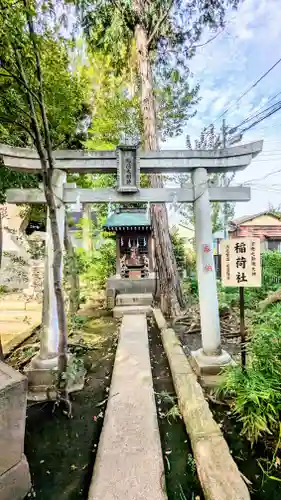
[170, 288]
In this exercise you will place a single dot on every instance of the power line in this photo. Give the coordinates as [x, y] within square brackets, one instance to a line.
[258, 112]
[248, 90]
[270, 113]
[271, 110]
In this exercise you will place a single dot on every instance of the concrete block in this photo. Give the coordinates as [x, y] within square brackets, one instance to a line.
[12, 416]
[133, 299]
[209, 365]
[141, 285]
[15, 483]
[41, 383]
[120, 311]
[13, 387]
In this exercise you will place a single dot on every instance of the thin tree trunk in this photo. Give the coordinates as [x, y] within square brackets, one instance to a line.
[73, 276]
[47, 166]
[170, 288]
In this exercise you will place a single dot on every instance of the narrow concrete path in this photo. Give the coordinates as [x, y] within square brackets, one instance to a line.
[129, 463]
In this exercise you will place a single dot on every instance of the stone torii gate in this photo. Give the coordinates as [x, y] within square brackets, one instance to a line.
[128, 162]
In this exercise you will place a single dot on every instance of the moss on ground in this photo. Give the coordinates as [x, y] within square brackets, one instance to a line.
[61, 452]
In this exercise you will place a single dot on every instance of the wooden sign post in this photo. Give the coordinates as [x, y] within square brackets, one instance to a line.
[241, 266]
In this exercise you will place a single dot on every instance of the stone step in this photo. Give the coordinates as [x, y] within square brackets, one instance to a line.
[120, 311]
[133, 299]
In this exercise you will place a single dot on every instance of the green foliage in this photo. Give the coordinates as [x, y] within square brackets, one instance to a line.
[269, 466]
[221, 213]
[77, 322]
[179, 250]
[271, 270]
[75, 369]
[64, 93]
[116, 106]
[96, 266]
[271, 281]
[257, 391]
[10, 179]
[257, 395]
[173, 28]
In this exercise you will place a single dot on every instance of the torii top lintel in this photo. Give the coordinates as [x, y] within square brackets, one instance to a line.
[165, 161]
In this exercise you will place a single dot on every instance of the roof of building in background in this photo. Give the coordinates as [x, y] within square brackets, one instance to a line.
[246, 218]
[130, 219]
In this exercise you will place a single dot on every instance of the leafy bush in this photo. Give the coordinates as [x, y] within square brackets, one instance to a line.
[227, 296]
[96, 266]
[271, 270]
[179, 250]
[271, 280]
[257, 390]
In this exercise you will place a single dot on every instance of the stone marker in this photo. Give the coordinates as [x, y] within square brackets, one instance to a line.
[14, 471]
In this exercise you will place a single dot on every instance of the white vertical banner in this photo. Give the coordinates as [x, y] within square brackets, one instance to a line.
[241, 262]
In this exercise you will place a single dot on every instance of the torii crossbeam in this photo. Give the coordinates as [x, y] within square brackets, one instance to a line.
[128, 162]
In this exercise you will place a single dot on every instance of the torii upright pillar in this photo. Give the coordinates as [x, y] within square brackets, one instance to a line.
[210, 358]
[49, 340]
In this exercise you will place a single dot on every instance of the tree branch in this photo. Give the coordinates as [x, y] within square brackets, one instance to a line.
[12, 104]
[209, 40]
[19, 80]
[19, 124]
[37, 133]
[158, 25]
[41, 91]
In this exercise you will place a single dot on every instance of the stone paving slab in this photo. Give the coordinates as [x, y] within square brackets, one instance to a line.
[129, 463]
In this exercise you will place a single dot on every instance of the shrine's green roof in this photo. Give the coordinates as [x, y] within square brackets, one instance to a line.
[128, 220]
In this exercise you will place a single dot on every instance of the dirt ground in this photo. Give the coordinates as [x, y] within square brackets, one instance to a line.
[61, 452]
[181, 479]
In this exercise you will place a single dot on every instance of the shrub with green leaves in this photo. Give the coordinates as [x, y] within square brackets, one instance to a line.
[271, 280]
[257, 390]
[96, 266]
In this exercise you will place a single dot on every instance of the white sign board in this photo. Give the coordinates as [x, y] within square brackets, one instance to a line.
[241, 262]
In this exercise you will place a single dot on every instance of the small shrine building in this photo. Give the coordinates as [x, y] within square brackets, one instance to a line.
[134, 252]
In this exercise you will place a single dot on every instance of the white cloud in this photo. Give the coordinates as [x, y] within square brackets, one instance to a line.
[225, 69]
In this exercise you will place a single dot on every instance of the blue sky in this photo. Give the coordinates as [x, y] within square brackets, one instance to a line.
[225, 68]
